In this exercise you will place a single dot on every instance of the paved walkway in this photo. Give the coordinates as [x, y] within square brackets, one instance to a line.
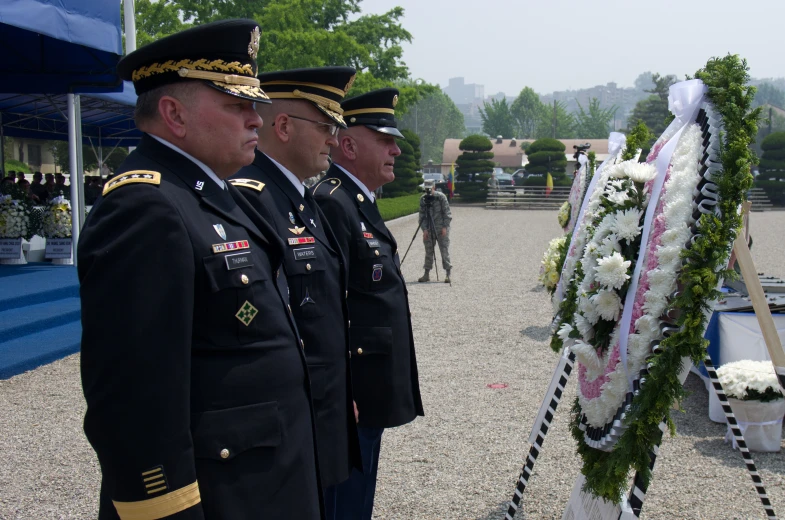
[462, 460]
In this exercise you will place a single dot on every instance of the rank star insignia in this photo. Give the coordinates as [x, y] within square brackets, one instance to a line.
[247, 313]
[360, 197]
[220, 230]
[297, 230]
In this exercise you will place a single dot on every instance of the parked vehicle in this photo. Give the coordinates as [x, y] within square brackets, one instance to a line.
[505, 180]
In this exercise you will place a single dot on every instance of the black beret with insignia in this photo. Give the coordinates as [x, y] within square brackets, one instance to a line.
[222, 53]
[325, 87]
[375, 109]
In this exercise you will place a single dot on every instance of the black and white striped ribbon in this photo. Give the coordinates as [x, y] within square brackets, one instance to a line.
[541, 430]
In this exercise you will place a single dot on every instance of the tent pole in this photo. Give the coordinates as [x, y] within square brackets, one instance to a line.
[2, 147]
[100, 156]
[130, 26]
[80, 159]
[72, 167]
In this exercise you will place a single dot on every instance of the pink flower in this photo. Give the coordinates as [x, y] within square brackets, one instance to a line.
[593, 389]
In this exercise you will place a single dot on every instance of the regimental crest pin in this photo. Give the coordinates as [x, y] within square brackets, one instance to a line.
[301, 208]
[297, 230]
[291, 218]
[219, 228]
[360, 197]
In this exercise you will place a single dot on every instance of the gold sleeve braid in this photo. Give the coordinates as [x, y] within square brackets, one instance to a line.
[160, 507]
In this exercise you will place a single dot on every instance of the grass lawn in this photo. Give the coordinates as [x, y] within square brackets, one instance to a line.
[399, 206]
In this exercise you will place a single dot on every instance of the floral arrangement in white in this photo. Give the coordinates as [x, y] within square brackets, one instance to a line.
[57, 218]
[750, 380]
[564, 214]
[14, 218]
[552, 262]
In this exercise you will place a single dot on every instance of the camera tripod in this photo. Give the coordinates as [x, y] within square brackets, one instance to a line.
[431, 229]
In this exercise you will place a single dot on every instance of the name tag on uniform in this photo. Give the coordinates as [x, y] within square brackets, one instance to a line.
[305, 253]
[301, 240]
[373, 243]
[230, 246]
[238, 260]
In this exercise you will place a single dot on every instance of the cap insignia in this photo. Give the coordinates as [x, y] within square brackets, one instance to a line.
[253, 47]
[395, 100]
[349, 85]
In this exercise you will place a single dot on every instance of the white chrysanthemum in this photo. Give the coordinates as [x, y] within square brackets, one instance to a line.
[612, 271]
[605, 227]
[587, 356]
[564, 331]
[617, 197]
[739, 377]
[588, 309]
[584, 327]
[609, 245]
[648, 325]
[615, 171]
[608, 305]
[626, 226]
[639, 172]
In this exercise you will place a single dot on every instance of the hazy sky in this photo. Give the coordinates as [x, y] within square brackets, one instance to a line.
[560, 44]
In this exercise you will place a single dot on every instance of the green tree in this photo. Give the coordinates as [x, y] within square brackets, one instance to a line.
[772, 163]
[653, 110]
[434, 118]
[594, 123]
[113, 157]
[497, 119]
[474, 164]
[528, 111]
[295, 33]
[406, 167]
[769, 94]
[546, 155]
[556, 122]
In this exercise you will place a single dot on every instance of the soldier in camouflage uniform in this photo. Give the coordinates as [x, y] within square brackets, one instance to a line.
[440, 212]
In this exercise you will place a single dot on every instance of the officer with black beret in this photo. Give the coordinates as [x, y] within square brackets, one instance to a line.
[384, 368]
[198, 397]
[301, 125]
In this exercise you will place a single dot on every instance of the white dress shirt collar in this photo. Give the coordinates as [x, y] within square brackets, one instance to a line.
[289, 175]
[210, 173]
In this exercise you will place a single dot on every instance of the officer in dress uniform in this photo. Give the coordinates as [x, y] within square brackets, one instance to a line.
[198, 400]
[300, 127]
[384, 368]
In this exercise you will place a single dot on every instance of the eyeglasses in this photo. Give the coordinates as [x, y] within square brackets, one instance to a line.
[331, 128]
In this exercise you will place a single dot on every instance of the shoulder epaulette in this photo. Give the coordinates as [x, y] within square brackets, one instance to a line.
[248, 183]
[332, 181]
[133, 177]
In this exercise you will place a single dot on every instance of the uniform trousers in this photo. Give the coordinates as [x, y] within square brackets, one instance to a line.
[444, 250]
[353, 498]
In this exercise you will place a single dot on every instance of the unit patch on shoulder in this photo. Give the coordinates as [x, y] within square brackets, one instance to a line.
[247, 183]
[133, 177]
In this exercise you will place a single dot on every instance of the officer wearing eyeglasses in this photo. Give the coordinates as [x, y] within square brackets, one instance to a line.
[299, 128]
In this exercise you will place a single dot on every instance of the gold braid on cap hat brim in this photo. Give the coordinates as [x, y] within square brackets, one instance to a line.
[319, 100]
[195, 65]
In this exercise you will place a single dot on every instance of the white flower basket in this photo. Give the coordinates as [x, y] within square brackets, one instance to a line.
[13, 244]
[761, 423]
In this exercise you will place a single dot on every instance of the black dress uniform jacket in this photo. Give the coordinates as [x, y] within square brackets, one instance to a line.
[384, 368]
[316, 272]
[191, 363]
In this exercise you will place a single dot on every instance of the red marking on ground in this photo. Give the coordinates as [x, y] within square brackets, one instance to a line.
[497, 386]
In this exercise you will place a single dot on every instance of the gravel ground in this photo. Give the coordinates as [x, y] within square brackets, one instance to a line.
[462, 460]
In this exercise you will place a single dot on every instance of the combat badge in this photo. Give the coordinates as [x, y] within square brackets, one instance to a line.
[247, 313]
[377, 272]
[297, 230]
[220, 230]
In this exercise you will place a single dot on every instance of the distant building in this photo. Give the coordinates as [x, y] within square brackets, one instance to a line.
[468, 97]
[609, 95]
[36, 153]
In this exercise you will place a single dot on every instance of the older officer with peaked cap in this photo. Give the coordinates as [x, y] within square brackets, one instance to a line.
[384, 368]
[301, 125]
[198, 400]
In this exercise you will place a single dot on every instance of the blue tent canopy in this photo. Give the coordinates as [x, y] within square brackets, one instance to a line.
[60, 46]
[106, 118]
